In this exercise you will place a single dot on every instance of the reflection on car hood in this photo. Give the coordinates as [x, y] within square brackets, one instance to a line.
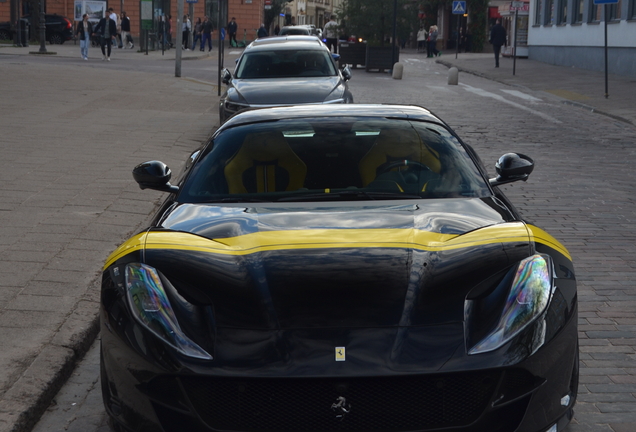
[286, 91]
[364, 266]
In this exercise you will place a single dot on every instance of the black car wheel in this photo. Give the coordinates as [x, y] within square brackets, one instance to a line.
[56, 39]
[4, 35]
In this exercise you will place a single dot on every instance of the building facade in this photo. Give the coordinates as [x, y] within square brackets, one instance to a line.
[572, 33]
[248, 13]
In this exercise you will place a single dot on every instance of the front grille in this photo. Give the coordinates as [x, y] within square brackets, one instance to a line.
[393, 403]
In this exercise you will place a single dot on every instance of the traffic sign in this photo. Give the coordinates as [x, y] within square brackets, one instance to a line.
[459, 7]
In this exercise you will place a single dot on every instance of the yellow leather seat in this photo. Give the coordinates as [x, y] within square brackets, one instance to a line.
[394, 145]
[265, 163]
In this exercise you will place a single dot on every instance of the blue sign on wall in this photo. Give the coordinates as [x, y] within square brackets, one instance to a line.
[605, 1]
[459, 7]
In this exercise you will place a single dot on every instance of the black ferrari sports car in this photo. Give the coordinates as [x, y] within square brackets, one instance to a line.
[344, 267]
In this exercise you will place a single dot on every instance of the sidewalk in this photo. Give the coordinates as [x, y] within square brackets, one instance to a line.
[579, 87]
[72, 49]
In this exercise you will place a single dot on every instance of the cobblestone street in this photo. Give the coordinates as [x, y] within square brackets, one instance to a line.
[581, 191]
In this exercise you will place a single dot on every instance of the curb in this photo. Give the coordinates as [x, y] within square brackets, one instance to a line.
[22, 406]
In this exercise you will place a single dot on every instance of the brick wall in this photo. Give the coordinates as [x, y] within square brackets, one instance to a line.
[248, 13]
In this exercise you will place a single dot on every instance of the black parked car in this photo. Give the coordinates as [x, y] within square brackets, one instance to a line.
[59, 29]
[341, 267]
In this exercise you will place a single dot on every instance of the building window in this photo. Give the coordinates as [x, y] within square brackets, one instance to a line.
[550, 18]
[562, 15]
[577, 11]
[632, 9]
[595, 12]
[537, 12]
[615, 11]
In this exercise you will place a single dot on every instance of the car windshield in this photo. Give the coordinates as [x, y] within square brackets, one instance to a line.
[333, 159]
[295, 31]
[279, 63]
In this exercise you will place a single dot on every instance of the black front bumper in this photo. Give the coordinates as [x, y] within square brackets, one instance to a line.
[148, 388]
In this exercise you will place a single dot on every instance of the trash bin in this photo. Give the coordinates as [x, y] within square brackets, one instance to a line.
[24, 32]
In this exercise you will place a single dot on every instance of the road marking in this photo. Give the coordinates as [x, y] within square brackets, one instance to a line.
[522, 95]
[235, 52]
[440, 88]
[484, 93]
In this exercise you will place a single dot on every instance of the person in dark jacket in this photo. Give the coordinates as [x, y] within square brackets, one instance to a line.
[85, 31]
[207, 34]
[232, 28]
[497, 39]
[125, 31]
[262, 32]
[106, 28]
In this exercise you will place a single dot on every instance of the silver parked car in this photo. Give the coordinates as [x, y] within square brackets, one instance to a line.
[284, 70]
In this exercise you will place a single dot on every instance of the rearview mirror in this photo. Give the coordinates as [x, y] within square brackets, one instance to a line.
[512, 167]
[346, 73]
[154, 175]
[226, 76]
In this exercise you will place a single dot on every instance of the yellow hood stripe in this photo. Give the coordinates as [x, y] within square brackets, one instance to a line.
[538, 235]
[328, 238]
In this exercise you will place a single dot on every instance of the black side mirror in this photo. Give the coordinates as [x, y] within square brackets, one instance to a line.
[512, 167]
[226, 76]
[346, 73]
[154, 175]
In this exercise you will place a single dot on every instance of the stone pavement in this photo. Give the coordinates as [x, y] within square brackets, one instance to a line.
[67, 146]
[579, 87]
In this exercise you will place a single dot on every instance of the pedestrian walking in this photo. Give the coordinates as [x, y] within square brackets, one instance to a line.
[84, 31]
[186, 27]
[276, 30]
[169, 30]
[206, 34]
[262, 32]
[330, 32]
[232, 28]
[113, 17]
[106, 28]
[432, 42]
[421, 39]
[198, 28]
[125, 31]
[497, 39]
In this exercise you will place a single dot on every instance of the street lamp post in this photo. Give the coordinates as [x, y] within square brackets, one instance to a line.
[394, 33]
[42, 28]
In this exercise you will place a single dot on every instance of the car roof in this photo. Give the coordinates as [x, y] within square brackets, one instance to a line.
[286, 42]
[316, 111]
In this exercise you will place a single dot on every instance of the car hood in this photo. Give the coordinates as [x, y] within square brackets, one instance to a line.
[285, 91]
[341, 266]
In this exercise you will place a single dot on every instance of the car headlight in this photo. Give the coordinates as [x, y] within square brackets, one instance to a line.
[527, 299]
[151, 307]
[235, 107]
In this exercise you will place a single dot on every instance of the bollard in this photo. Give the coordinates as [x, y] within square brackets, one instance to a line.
[398, 70]
[453, 76]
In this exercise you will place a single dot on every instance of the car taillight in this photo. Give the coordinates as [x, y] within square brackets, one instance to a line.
[68, 24]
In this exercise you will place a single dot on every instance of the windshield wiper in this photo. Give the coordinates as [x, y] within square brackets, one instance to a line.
[350, 193]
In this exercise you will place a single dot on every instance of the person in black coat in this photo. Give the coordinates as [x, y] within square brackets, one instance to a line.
[262, 32]
[106, 28]
[497, 39]
[84, 31]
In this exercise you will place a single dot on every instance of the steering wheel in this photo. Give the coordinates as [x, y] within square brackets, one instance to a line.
[388, 166]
